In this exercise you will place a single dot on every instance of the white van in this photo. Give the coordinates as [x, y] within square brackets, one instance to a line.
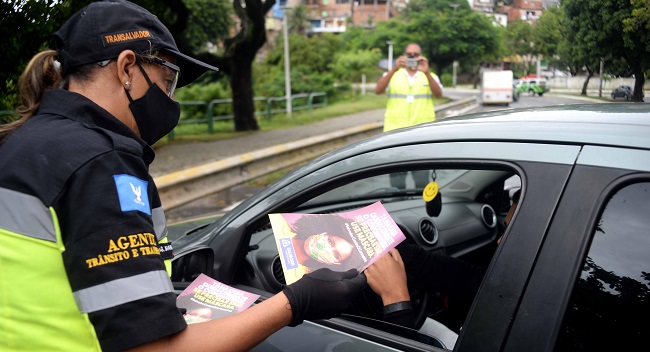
[497, 87]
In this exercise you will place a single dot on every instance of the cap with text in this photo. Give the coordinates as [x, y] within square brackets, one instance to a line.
[102, 30]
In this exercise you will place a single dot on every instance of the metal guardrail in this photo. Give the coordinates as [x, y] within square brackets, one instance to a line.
[181, 187]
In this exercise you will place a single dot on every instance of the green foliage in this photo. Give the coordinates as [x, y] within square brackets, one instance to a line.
[610, 29]
[27, 28]
[447, 79]
[548, 32]
[520, 38]
[210, 21]
[446, 34]
[206, 93]
[350, 65]
[640, 17]
[310, 62]
[298, 20]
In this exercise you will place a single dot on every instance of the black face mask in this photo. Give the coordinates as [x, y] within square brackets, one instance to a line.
[155, 113]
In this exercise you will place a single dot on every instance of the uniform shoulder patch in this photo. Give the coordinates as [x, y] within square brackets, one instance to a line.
[132, 193]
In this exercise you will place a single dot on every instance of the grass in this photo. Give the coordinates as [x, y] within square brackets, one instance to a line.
[225, 129]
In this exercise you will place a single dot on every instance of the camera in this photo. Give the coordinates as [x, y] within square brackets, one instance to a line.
[411, 61]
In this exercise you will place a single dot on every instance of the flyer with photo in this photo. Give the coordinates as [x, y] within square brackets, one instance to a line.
[207, 299]
[341, 241]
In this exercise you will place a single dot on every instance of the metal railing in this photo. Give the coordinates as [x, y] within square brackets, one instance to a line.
[301, 101]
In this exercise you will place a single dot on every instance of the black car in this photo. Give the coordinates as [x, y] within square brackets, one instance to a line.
[625, 92]
[571, 273]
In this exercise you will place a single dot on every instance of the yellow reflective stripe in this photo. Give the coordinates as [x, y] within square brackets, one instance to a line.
[160, 229]
[25, 214]
[124, 290]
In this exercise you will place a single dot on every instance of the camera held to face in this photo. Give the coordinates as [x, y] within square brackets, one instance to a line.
[411, 62]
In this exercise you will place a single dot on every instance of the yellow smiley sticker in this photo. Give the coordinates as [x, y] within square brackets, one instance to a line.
[430, 191]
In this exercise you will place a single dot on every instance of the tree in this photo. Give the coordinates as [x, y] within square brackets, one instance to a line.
[236, 58]
[28, 25]
[600, 31]
[548, 34]
[520, 39]
[27, 28]
[446, 33]
[298, 20]
[351, 65]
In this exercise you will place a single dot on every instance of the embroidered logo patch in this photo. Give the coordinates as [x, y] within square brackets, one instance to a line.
[132, 192]
[125, 37]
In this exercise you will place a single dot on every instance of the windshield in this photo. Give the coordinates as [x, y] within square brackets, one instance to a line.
[382, 186]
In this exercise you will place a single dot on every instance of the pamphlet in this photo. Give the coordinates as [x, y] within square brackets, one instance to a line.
[207, 299]
[340, 241]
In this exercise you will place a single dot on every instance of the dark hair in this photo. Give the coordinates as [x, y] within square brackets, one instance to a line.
[43, 72]
[333, 225]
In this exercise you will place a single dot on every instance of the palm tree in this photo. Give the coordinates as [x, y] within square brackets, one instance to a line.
[298, 20]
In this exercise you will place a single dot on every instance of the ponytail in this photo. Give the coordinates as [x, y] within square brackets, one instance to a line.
[43, 72]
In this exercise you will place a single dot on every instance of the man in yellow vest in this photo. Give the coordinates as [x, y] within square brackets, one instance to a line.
[410, 86]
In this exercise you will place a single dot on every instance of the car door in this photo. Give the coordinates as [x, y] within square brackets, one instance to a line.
[543, 168]
[579, 296]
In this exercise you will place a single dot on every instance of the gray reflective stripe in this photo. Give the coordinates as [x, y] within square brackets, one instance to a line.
[416, 96]
[25, 214]
[122, 291]
[159, 223]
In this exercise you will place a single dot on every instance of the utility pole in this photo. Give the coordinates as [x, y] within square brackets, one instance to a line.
[390, 54]
[287, 69]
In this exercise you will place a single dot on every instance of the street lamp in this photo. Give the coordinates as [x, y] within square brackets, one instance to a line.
[390, 54]
[287, 69]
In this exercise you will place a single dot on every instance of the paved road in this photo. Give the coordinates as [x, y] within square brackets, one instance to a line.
[171, 158]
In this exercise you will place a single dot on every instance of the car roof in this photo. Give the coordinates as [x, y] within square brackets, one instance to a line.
[605, 124]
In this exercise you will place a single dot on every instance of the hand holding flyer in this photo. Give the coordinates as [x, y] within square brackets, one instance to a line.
[207, 299]
[342, 241]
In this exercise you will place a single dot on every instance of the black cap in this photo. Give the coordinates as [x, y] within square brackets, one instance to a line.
[102, 30]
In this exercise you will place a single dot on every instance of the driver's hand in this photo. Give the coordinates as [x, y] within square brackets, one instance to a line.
[387, 277]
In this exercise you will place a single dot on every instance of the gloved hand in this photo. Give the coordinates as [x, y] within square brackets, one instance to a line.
[323, 294]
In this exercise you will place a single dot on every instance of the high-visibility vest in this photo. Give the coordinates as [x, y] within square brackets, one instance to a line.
[408, 105]
[37, 307]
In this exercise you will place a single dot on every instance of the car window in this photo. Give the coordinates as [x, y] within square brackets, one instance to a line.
[611, 299]
[385, 185]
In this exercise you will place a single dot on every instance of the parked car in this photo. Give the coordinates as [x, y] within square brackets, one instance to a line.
[515, 92]
[571, 272]
[533, 86]
[625, 92]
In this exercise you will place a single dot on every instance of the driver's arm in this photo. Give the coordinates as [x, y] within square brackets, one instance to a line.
[387, 277]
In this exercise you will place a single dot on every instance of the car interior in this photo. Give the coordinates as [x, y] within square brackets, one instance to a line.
[475, 201]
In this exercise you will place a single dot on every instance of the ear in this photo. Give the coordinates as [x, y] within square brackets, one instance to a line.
[126, 67]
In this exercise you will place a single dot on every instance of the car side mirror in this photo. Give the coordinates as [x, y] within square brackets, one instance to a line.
[189, 266]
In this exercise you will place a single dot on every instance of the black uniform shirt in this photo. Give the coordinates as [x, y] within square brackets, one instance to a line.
[93, 170]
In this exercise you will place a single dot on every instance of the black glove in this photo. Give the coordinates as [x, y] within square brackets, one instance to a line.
[323, 293]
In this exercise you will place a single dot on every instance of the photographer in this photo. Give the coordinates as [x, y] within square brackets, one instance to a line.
[410, 87]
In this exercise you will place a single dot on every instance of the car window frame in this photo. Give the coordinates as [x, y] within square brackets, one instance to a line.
[560, 260]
